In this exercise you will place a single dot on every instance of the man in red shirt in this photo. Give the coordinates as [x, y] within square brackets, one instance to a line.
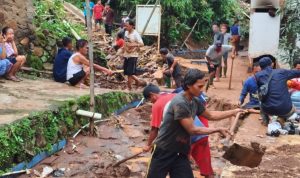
[98, 10]
[151, 92]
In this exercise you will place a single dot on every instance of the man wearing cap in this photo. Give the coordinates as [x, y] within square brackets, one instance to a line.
[172, 145]
[214, 56]
[277, 100]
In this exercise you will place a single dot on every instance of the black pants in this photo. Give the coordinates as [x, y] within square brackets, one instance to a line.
[130, 65]
[108, 29]
[177, 78]
[164, 162]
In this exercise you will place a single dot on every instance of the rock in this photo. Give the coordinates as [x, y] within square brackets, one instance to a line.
[38, 51]
[47, 171]
[44, 58]
[48, 66]
[25, 41]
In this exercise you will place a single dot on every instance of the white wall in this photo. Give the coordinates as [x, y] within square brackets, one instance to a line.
[264, 34]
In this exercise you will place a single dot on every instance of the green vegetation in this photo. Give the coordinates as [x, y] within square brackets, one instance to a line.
[51, 26]
[290, 31]
[23, 139]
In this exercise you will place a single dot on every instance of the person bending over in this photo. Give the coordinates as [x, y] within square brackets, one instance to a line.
[173, 69]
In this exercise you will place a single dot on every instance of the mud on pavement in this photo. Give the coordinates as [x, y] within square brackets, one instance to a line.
[118, 138]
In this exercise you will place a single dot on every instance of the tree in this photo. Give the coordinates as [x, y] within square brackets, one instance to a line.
[290, 31]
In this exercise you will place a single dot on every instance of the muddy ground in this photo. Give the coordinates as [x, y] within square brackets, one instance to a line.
[120, 137]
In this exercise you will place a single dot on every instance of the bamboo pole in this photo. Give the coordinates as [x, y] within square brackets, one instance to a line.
[231, 71]
[92, 72]
[189, 33]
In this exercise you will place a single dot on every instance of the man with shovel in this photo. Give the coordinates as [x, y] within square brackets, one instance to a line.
[172, 146]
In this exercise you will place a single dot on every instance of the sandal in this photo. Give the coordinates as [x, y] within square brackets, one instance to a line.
[14, 79]
[19, 78]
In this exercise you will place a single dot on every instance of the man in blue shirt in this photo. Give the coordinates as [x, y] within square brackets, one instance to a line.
[250, 86]
[85, 12]
[61, 60]
[278, 100]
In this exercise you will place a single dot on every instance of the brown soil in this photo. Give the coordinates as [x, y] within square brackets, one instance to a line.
[283, 161]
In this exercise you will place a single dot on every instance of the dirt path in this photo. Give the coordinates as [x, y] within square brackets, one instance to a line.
[20, 99]
[239, 75]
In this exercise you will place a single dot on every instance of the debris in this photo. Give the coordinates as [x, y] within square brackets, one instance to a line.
[47, 171]
[59, 172]
[27, 171]
[89, 114]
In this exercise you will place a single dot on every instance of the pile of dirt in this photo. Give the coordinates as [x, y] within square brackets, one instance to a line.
[282, 161]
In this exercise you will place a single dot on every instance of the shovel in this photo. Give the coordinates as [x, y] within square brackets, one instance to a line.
[128, 158]
[242, 155]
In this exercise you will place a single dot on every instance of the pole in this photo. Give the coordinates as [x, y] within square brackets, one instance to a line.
[158, 38]
[152, 12]
[231, 71]
[189, 34]
[91, 57]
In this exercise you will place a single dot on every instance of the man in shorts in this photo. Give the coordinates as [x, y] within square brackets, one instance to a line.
[133, 42]
[98, 11]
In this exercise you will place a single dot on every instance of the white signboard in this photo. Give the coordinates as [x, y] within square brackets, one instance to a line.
[264, 34]
[143, 12]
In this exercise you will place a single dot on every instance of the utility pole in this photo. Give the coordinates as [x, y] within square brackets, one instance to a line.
[91, 58]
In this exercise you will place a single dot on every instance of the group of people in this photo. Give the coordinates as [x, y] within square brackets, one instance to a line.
[269, 91]
[10, 60]
[101, 14]
[74, 67]
[179, 128]
[217, 54]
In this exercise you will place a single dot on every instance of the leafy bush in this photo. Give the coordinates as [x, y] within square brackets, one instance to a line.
[290, 31]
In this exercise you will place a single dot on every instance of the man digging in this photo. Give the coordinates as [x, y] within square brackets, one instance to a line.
[172, 146]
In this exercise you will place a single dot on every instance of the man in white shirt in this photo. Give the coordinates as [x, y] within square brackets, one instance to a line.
[133, 42]
[214, 56]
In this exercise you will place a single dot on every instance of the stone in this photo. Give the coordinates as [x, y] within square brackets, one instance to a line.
[48, 66]
[25, 41]
[17, 14]
[38, 51]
